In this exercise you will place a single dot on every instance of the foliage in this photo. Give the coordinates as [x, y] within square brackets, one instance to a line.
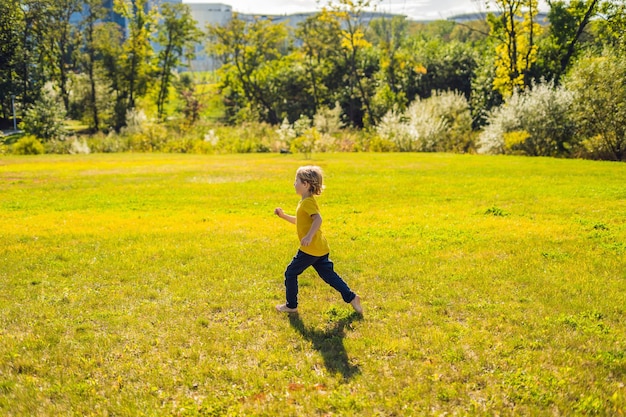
[245, 48]
[90, 100]
[441, 123]
[28, 145]
[45, 119]
[390, 36]
[108, 143]
[599, 104]
[446, 66]
[516, 30]
[94, 97]
[612, 29]
[484, 98]
[177, 38]
[568, 22]
[536, 122]
[60, 42]
[132, 69]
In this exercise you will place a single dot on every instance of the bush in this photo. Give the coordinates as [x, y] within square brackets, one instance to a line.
[537, 122]
[599, 106]
[441, 123]
[46, 118]
[110, 143]
[245, 138]
[28, 145]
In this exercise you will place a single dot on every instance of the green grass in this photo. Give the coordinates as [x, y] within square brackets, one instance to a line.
[144, 284]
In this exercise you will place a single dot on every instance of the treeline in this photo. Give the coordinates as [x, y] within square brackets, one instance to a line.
[507, 84]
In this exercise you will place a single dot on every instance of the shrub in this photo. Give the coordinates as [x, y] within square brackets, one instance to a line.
[599, 95]
[28, 145]
[536, 122]
[79, 146]
[108, 143]
[306, 142]
[245, 138]
[441, 123]
[45, 119]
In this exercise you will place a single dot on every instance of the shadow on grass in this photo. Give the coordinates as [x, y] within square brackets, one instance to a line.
[329, 343]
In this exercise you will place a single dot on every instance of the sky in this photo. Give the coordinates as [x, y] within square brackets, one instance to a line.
[413, 9]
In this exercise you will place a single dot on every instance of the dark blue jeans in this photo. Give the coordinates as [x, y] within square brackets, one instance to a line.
[325, 270]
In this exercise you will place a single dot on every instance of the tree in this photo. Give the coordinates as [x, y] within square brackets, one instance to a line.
[515, 30]
[613, 27]
[390, 36]
[568, 22]
[177, 35]
[61, 39]
[447, 66]
[107, 52]
[29, 64]
[10, 47]
[318, 33]
[93, 13]
[245, 48]
[353, 46]
[134, 61]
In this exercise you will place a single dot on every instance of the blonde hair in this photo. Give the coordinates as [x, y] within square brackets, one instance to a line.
[312, 175]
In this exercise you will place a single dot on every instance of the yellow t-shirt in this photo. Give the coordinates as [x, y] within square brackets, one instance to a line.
[306, 208]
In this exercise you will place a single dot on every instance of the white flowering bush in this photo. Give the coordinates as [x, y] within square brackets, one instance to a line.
[394, 128]
[79, 146]
[286, 134]
[441, 123]
[535, 122]
[327, 121]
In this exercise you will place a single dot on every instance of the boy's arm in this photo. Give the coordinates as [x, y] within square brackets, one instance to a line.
[315, 226]
[280, 213]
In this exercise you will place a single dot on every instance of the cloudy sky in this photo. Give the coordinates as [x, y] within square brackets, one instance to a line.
[414, 9]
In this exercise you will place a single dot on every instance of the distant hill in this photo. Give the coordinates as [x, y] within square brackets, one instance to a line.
[542, 17]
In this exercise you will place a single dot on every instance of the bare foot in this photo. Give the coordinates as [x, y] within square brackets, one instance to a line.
[356, 305]
[284, 309]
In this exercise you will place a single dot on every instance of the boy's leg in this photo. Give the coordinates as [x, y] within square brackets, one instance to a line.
[325, 269]
[298, 264]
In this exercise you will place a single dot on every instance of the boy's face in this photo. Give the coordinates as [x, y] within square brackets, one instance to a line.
[302, 188]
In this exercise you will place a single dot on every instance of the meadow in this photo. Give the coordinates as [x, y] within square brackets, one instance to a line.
[145, 285]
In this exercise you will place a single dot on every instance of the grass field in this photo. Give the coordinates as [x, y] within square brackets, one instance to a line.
[145, 284]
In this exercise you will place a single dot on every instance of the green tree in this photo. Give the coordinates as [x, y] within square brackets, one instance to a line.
[245, 48]
[93, 13]
[612, 29]
[318, 33]
[29, 63]
[568, 22]
[61, 40]
[353, 51]
[107, 52]
[389, 36]
[447, 66]
[10, 22]
[177, 35]
[341, 60]
[135, 60]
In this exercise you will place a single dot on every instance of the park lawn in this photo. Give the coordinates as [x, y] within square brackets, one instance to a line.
[145, 284]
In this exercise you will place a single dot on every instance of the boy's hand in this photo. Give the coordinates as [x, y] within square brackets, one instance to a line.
[306, 241]
[279, 212]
